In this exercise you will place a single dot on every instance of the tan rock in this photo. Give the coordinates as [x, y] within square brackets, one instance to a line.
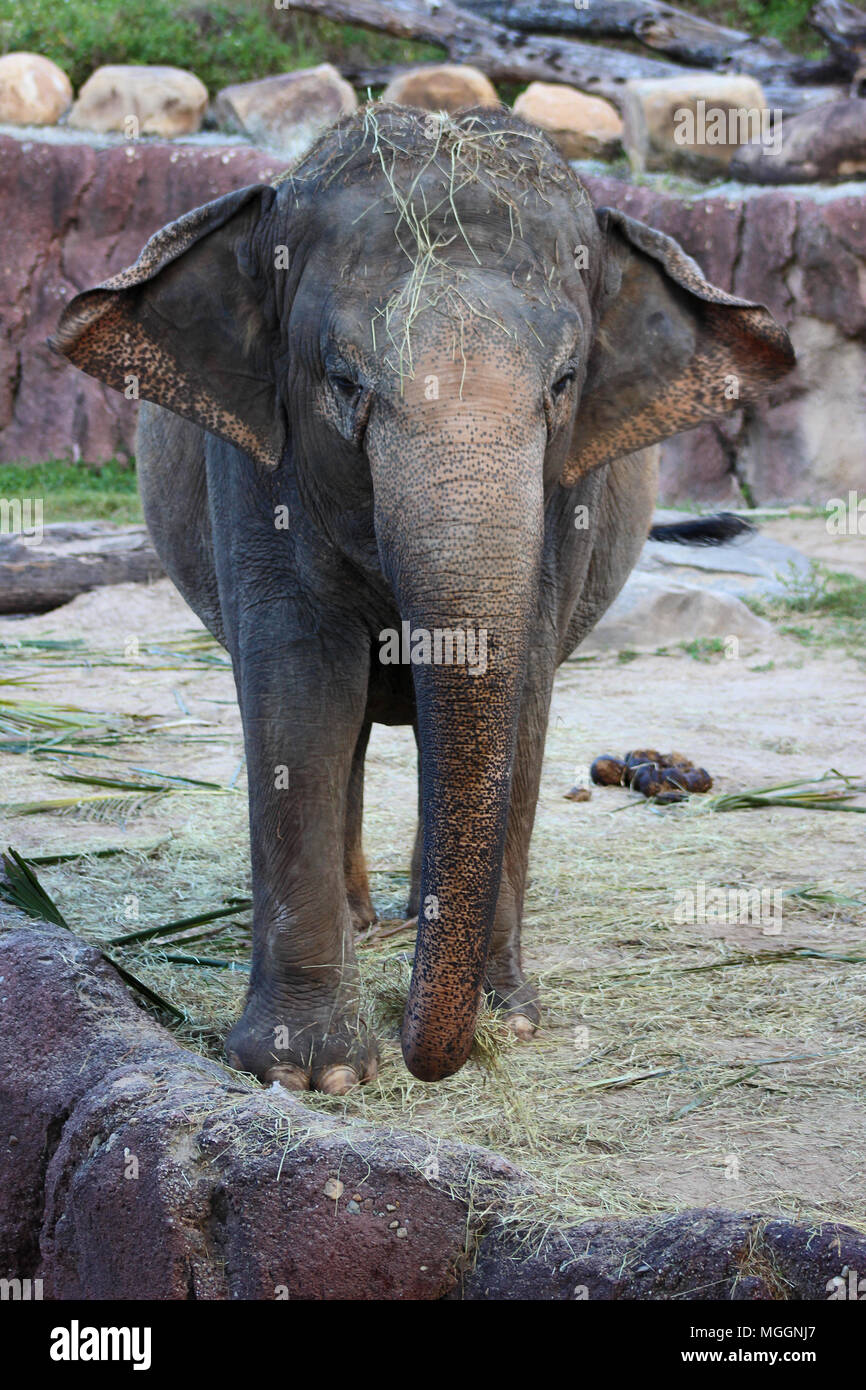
[442, 87]
[289, 111]
[583, 127]
[33, 90]
[694, 123]
[140, 101]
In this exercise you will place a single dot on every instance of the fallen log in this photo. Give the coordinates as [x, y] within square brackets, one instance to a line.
[843, 27]
[364, 77]
[691, 40]
[839, 22]
[504, 54]
[43, 569]
[507, 55]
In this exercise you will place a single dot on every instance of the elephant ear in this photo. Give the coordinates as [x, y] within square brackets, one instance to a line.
[670, 349]
[191, 326]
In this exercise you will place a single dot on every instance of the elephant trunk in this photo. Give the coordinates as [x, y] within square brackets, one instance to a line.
[461, 535]
[466, 729]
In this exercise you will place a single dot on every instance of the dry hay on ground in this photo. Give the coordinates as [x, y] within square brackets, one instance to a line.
[679, 1063]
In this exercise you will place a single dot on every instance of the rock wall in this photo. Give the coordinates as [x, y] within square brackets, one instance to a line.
[802, 252]
[132, 1168]
[76, 214]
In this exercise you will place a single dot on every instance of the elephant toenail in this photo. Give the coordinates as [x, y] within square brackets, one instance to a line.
[336, 1081]
[291, 1077]
[521, 1026]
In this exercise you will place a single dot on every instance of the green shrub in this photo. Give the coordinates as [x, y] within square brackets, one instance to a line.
[779, 19]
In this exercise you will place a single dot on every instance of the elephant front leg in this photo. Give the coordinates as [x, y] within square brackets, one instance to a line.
[302, 1025]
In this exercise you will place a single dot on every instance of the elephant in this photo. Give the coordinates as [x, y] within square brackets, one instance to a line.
[396, 450]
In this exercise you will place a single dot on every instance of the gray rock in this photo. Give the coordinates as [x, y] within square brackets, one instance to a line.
[286, 112]
[677, 593]
[145, 1171]
[825, 142]
[754, 564]
[655, 610]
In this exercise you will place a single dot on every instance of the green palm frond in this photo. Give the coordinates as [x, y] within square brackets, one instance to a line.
[21, 888]
[810, 793]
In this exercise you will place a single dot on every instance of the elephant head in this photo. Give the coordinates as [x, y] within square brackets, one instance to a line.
[430, 323]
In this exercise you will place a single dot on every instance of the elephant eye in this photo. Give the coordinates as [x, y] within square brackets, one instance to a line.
[562, 382]
[353, 400]
[345, 387]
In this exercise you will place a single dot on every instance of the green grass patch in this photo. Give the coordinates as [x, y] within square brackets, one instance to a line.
[76, 491]
[227, 41]
[834, 600]
[703, 648]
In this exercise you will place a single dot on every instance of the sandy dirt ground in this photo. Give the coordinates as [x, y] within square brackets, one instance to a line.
[682, 1060]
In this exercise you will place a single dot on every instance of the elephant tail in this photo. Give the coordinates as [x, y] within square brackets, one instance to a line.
[704, 530]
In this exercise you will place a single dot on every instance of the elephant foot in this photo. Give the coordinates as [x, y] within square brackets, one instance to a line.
[517, 1001]
[325, 1054]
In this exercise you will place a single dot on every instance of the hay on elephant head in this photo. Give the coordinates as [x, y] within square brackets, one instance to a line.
[439, 155]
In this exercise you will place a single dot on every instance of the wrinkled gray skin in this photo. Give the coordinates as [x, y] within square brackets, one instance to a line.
[441, 490]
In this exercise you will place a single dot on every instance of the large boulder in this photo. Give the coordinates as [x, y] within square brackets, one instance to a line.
[286, 112]
[442, 87]
[140, 101]
[654, 610]
[755, 565]
[132, 1168]
[33, 90]
[694, 123]
[702, 1254]
[583, 127]
[825, 142]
